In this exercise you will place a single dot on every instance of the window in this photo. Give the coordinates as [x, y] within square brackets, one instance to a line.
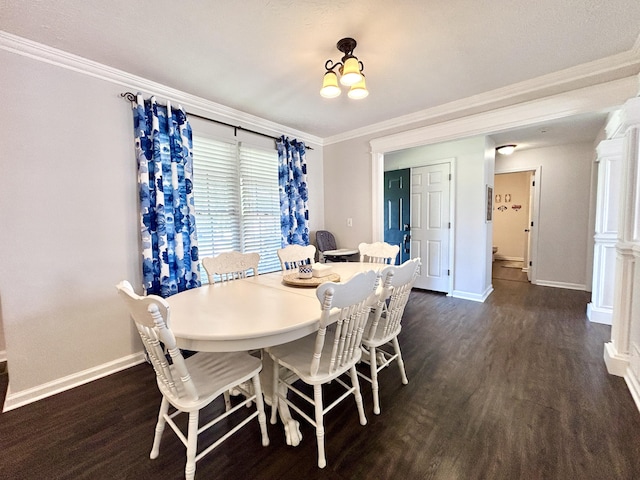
[237, 200]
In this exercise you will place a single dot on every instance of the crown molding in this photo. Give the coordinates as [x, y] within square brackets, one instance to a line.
[53, 56]
[598, 71]
[584, 100]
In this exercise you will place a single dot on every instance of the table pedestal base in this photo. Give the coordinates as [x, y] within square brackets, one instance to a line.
[292, 433]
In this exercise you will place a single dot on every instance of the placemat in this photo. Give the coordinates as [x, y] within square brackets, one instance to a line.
[293, 280]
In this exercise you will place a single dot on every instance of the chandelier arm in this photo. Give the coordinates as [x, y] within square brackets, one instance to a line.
[329, 65]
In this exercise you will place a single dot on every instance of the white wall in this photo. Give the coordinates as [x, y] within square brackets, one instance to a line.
[3, 351]
[347, 180]
[565, 195]
[70, 225]
[68, 192]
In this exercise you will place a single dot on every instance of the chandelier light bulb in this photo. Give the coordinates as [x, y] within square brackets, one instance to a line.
[350, 72]
[359, 90]
[330, 88]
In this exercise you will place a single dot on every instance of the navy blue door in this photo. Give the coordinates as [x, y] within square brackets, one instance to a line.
[397, 211]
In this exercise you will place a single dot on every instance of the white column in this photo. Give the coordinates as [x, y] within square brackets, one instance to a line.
[609, 160]
[624, 349]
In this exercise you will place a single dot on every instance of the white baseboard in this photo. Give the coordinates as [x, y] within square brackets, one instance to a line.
[568, 286]
[617, 364]
[599, 314]
[24, 397]
[476, 297]
[3, 355]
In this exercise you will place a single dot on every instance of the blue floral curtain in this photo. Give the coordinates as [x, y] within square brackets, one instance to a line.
[164, 145]
[292, 174]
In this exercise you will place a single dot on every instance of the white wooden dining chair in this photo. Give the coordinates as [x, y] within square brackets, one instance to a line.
[230, 265]
[324, 356]
[191, 384]
[378, 252]
[380, 339]
[292, 256]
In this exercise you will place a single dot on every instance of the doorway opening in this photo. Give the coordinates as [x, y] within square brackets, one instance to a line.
[515, 223]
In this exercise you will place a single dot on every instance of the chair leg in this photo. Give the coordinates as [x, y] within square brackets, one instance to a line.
[164, 408]
[356, 393]
[317, 400]
[227, 401]
[192, 445]
[262, 418]
[275, 392]
[374, 380]
[403, 374]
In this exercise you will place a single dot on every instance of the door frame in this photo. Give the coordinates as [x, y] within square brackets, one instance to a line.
[535, 214]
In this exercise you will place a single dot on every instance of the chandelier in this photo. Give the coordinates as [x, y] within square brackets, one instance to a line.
[350, 70]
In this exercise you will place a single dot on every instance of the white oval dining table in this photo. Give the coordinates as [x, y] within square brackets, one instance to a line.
[253, 313]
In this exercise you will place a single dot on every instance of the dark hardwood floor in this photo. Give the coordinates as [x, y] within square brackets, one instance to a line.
[513, 388]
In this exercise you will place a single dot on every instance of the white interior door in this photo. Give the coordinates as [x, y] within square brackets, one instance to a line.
[430, 224]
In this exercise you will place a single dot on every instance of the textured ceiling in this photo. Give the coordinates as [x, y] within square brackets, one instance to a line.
[266, 57]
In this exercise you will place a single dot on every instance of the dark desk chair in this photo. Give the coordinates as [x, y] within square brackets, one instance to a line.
[327, 249]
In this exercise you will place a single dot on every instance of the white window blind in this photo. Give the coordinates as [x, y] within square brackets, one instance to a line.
[260, 199]
[237, 200]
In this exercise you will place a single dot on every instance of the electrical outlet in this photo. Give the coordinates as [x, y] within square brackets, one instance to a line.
[349, 222]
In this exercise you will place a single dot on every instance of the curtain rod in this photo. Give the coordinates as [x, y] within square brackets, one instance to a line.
[132, 98]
